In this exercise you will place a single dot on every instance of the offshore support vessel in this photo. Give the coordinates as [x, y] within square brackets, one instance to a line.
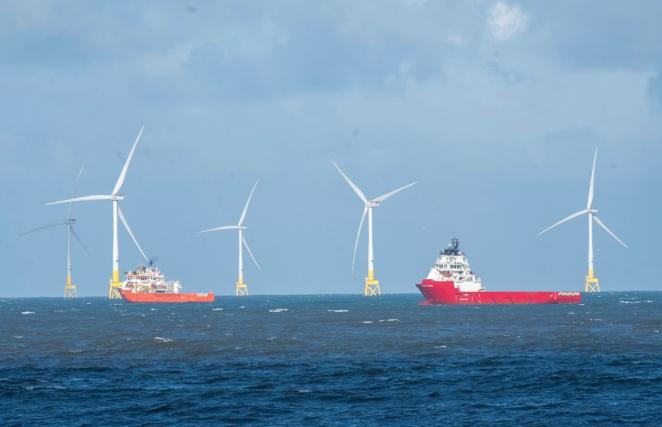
[147, 284]
[451, 281]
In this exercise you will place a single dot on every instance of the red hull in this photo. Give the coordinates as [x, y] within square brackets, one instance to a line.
[446, 293]
[145, 297]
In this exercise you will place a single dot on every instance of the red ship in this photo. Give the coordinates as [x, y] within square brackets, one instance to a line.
[148, 285]
[150, 297]
[451, 281]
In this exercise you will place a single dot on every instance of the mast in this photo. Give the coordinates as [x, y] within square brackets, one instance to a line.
[115, 284]
[371, 284]
[591, 284]
[241, 288]
[69, 288]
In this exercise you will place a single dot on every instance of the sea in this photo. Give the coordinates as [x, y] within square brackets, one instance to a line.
[336, 360]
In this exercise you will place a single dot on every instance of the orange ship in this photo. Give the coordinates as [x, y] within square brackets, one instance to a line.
[148, 285]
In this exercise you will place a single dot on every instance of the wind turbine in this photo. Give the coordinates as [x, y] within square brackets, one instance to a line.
[115, 197]
[69, 287]
[241, 288]
[371, 287]
[591, 283]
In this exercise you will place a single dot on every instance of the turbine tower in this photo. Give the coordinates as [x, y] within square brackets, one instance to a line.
[115, 283]
[241, 288]
[69, 287]
[591, 283]
[371, 287]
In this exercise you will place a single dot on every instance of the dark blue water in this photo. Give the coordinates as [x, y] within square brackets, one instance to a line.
[331, 360]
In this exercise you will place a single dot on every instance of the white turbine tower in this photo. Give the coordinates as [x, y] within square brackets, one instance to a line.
[69, 287]
[591, 283]
[371, 287]
[241, 288]
[115, 197]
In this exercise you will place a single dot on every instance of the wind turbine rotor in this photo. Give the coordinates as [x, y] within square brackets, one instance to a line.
[248, 249]
[391, 193]
[358, 235]
[602, 224]
[80, 172]
[566, 219]
[122, 177]
[133, 237]
[589, 202]
[354, 187]
[223, 228]
[56, 224]
[92, 198]
[80, 242]
[250, 196]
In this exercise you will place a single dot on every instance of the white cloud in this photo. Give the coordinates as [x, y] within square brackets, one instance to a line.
[504, 21]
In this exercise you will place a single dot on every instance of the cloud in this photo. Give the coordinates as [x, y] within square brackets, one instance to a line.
[504, 22]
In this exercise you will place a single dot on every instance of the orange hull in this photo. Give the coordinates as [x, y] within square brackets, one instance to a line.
[146, 297]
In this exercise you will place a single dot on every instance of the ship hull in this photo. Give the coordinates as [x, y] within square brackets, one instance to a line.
[445, 293]
[171, 298]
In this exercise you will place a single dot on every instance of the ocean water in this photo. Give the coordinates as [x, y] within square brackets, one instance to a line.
[331, 360]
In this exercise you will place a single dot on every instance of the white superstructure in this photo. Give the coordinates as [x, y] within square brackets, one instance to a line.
[452, 265]
[150, 279]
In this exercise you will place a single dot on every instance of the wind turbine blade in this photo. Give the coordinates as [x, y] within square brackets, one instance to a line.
[80, 172]
[602, 224]
[590, 187]
[225, 227]
[356, 189]
[81, 199]
[120, 180]
[568, 218]
[250, 253]
[128, 229]
[387, 195]
[57, 224]
[250, 196]
[358, 234]
[80, 242]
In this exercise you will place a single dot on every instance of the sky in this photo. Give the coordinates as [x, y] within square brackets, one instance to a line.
[494, 107]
